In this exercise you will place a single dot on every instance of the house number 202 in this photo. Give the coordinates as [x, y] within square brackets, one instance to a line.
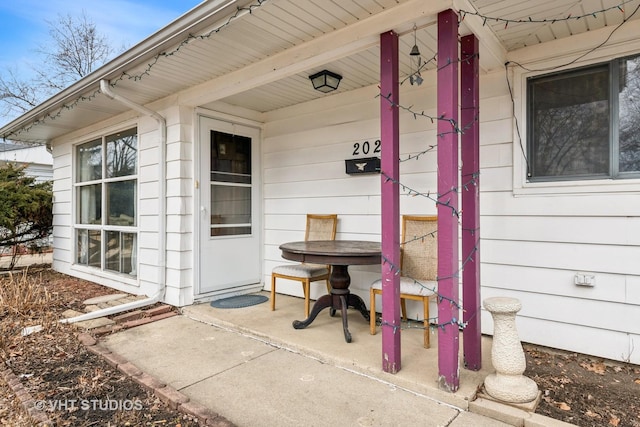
[366, 147]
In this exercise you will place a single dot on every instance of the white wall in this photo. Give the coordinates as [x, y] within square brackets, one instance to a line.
[534, 238]
[537, 237]
[63, 204]
[179, 209]
[532, 243]
[179, 224]
[304, 172]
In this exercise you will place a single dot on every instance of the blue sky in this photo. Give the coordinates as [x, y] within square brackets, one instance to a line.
[124, 22]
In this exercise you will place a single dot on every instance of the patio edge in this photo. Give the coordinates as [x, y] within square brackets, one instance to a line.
[32, 408]
[167, 394]
[477, 405]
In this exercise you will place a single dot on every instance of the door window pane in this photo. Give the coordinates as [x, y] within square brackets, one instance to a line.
[121, 203]
[230, 188]
[122, 153]
[89, 161]
[89, 200]
[230, 158]
[230, 205]
[229, 231]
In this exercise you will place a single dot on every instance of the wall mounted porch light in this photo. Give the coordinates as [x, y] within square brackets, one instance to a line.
[325, 81]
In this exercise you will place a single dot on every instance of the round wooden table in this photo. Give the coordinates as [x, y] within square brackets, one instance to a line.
[340, 254]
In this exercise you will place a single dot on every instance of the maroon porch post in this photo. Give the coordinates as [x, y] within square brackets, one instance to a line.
[447, 208]
[470, 143]
[390, 167]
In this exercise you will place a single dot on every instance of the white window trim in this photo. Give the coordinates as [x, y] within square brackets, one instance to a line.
[628, 45]
[106, 274]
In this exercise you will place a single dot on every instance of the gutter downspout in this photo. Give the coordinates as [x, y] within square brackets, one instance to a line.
[105, 88]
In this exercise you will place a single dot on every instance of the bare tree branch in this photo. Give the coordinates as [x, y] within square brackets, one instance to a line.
[17, 96]
[75, 49]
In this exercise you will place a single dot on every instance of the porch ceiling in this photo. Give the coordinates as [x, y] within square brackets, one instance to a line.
[261, 60]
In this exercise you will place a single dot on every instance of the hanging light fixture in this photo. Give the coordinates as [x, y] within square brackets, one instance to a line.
[325, 81]
[416, 60]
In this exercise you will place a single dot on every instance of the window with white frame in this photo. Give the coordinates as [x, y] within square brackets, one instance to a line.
[585, 123]
[106, 202]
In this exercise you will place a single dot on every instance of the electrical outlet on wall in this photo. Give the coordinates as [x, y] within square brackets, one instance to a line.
[584, 279]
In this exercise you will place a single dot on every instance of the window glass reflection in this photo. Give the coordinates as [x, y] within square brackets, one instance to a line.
[122, 153]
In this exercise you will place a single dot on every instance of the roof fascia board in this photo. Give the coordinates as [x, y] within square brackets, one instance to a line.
[192, 22]
[354, 38]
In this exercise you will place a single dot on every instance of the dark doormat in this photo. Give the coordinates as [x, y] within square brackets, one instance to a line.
[239, 301]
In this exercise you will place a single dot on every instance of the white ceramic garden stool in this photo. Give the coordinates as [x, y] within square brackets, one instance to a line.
[507, 384]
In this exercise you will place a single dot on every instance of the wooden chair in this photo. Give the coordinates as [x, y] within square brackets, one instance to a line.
[319, 227]
[418, 268]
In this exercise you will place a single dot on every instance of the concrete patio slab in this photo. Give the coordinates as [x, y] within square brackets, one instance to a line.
[281, 388]
[250, 366]
[324, 340]
[468, 419]
[182, 352]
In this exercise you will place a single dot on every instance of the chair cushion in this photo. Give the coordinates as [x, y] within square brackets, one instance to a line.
[425, 288]
[301, 270]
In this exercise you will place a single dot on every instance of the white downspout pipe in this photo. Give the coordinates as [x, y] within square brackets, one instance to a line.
[105, 88]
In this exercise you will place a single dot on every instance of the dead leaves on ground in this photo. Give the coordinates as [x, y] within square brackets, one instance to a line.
[591, 414]
[53, 365]
[585, 390]
[596, 367]
[614, 421]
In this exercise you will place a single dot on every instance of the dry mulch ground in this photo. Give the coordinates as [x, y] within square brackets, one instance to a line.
[584, 390]
[72, 386]
[54, 367]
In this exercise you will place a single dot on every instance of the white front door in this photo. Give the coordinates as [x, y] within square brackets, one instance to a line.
[229, 216]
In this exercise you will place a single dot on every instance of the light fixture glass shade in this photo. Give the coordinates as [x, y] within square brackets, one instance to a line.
[325, 81]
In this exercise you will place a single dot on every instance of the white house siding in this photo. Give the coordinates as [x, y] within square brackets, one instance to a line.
[303, 162]
[179, 199]
[62, 190]
[535, 238]
[532, 245]
[179, 270]
[304, 172]
[63, 217]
